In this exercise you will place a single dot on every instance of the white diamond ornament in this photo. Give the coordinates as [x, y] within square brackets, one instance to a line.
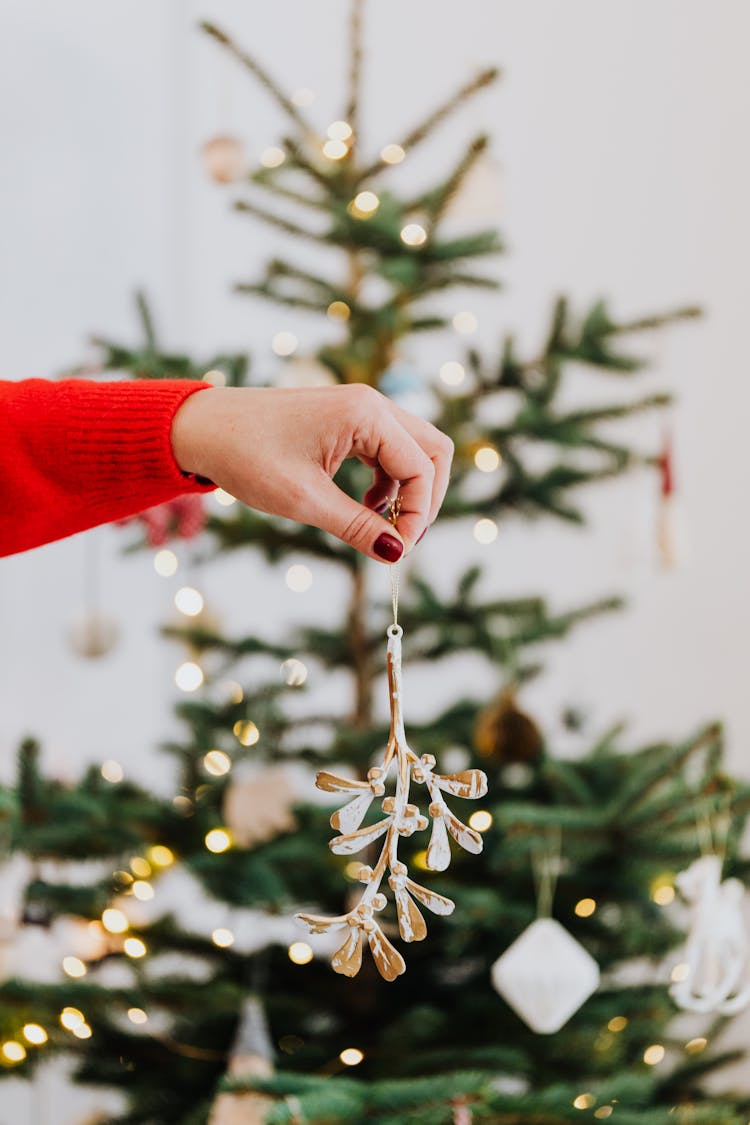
[545, 976]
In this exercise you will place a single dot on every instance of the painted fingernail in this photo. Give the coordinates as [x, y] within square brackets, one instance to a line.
[421, 537]
[388, 547]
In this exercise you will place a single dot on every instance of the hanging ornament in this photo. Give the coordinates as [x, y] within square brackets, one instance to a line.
[717, 977]
[181, 518]
[401, 818]
[258, 807]
[545, 975]
[504, 733]
[93, 633]
[666, 533]
[224, 159]
[251, 1057]
[305, 371]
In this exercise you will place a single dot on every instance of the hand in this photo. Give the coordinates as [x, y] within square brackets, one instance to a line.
[277, 450]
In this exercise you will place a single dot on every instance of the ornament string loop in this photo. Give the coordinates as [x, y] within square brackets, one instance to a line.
[394, 511]
[545, 864]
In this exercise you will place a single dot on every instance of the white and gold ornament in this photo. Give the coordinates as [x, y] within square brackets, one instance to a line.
[224, 158]
[717, 975]
[401, 818]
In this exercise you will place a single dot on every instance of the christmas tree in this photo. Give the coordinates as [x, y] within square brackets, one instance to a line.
[237, 1023]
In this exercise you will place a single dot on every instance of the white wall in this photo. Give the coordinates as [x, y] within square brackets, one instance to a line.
[621, 131]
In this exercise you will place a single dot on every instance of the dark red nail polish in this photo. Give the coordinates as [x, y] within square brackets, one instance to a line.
[388, 547]
[421, 537]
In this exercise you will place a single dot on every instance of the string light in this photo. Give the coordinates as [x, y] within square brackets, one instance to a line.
[114, 921]
[680, 972]
[335, 150]
[653, 1054]
[413, 234]
[189, 601]
[294, 672]
[225, 499]
[140, 867]
[585, 907]
[452, 373]
[480, 820]
[215, 377]
[137, 1015]
[71, 1017]
[300, 953]
[82, 1031]
[160, 855]
[603, 1111]
[222, 937]
[112, 771]
[144, 892]
[339, 310]
[218, 840]
[351, 1056]
[284, 343]
[165, 563]
[662, 896]
[617, 1023]
[74, 967]
[134, 947]
[419, 859]
[34, 1033]
[584, 1101]
[13, 1052]
[189, 676]
[364, 204]
[485, 531]
[299, 578]
[695, 1046]
[217, 763]
[339, 130]
[303, 97]
[272, 157]
[487, 459]
[392, 154]
[246, 732]
[465, 323]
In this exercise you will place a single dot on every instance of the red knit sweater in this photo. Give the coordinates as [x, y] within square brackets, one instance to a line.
[75, 453]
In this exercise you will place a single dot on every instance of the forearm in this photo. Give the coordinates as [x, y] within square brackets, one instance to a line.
[76, 453]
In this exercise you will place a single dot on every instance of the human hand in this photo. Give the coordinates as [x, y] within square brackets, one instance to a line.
[277, 450]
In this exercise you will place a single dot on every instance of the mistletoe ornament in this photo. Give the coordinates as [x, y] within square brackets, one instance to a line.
[401, 818]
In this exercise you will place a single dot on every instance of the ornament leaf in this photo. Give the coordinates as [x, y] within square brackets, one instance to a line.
[355, 841]
[347, 960]
[438, 904]
[349, 818]
[411, 924]
[439, 851]
[320, 924]
[468, 783]
[389, 962]
[332, 783]
[462, 834]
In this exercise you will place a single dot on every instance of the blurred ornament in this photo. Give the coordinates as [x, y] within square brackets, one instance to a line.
[479, 196]
[258, 808]
[181, 518]
[305, 371]
[93, 634]
[545, 976]
[716, 953]
[224, 159]
[251, 1057]
[506, 734]
[670, 532]
[401, 379]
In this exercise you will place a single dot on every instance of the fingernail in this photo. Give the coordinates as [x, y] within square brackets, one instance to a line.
[421, 537]
[388, 547]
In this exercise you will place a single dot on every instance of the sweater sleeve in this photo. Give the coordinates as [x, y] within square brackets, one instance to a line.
[77, 453]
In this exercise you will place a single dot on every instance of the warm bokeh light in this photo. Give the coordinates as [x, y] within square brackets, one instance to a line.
[140, 867]
[294, 672]
[165, 563]
[189, 601]
[413, 234]
[13, 1052]
[299, 578]
[222, 937]
[114, 921]
[143, 891]
[35, 1033]
[218, 840]
[351, 1056]
[71, 1017]
[284, 343]
[82, 1031]
[487, 459]
[653, 1054]
[112, 771]
[680, 972]
[465, 323]
[617, 1023]
[585, 907]
[225, 499]
[137, 1015]
[339, 131]
[189, 676]
[480, 820]
[134, 947]
[485, 531]
[392, 154]
[74, 967]
[452, 373]
[584, 1101]
[339, 310]
[364, 204]
[160, 855]
[300, 953]
[335, 150]
[272, 157]
[246, 732]
[662, 896]
[695, 1046]
[217, 763]
[603, 1112]
[216, 377]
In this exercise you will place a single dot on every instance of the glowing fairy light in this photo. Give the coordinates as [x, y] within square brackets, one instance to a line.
[189, 601]
[465, 323]
[114, 921]
[165, 563]
[480, 820]
[335, 150]
[217, 763]
[413, 234]
[487, 459]
[339, 131]
[299, 578]
[485, 531]
[13, 1052]
[338, 310]
[35, 1034]
[300, 953]
[143, 891]
[284, 343]
[392, 154]
[272, 157]
[218, 840]
[294, 672]
[137, 1015]
[224, 499]
[189, 676]
[452, 373]
[112, 771]
[160, 855]
[246, 732]
[74, 967]
[222, 937]
[585, 907]
[134, 947]
[351, 1056]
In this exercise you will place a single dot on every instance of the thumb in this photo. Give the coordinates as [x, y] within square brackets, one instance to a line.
[355, 524]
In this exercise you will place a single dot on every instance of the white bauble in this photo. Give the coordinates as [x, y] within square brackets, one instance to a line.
[93, 634]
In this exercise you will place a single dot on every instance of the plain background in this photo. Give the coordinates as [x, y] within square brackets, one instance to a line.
[621, 169]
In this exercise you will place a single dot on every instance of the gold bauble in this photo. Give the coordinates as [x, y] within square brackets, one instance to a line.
[506, 734]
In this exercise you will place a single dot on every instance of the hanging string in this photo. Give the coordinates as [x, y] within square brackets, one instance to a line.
[394, 511]
[545, 864]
